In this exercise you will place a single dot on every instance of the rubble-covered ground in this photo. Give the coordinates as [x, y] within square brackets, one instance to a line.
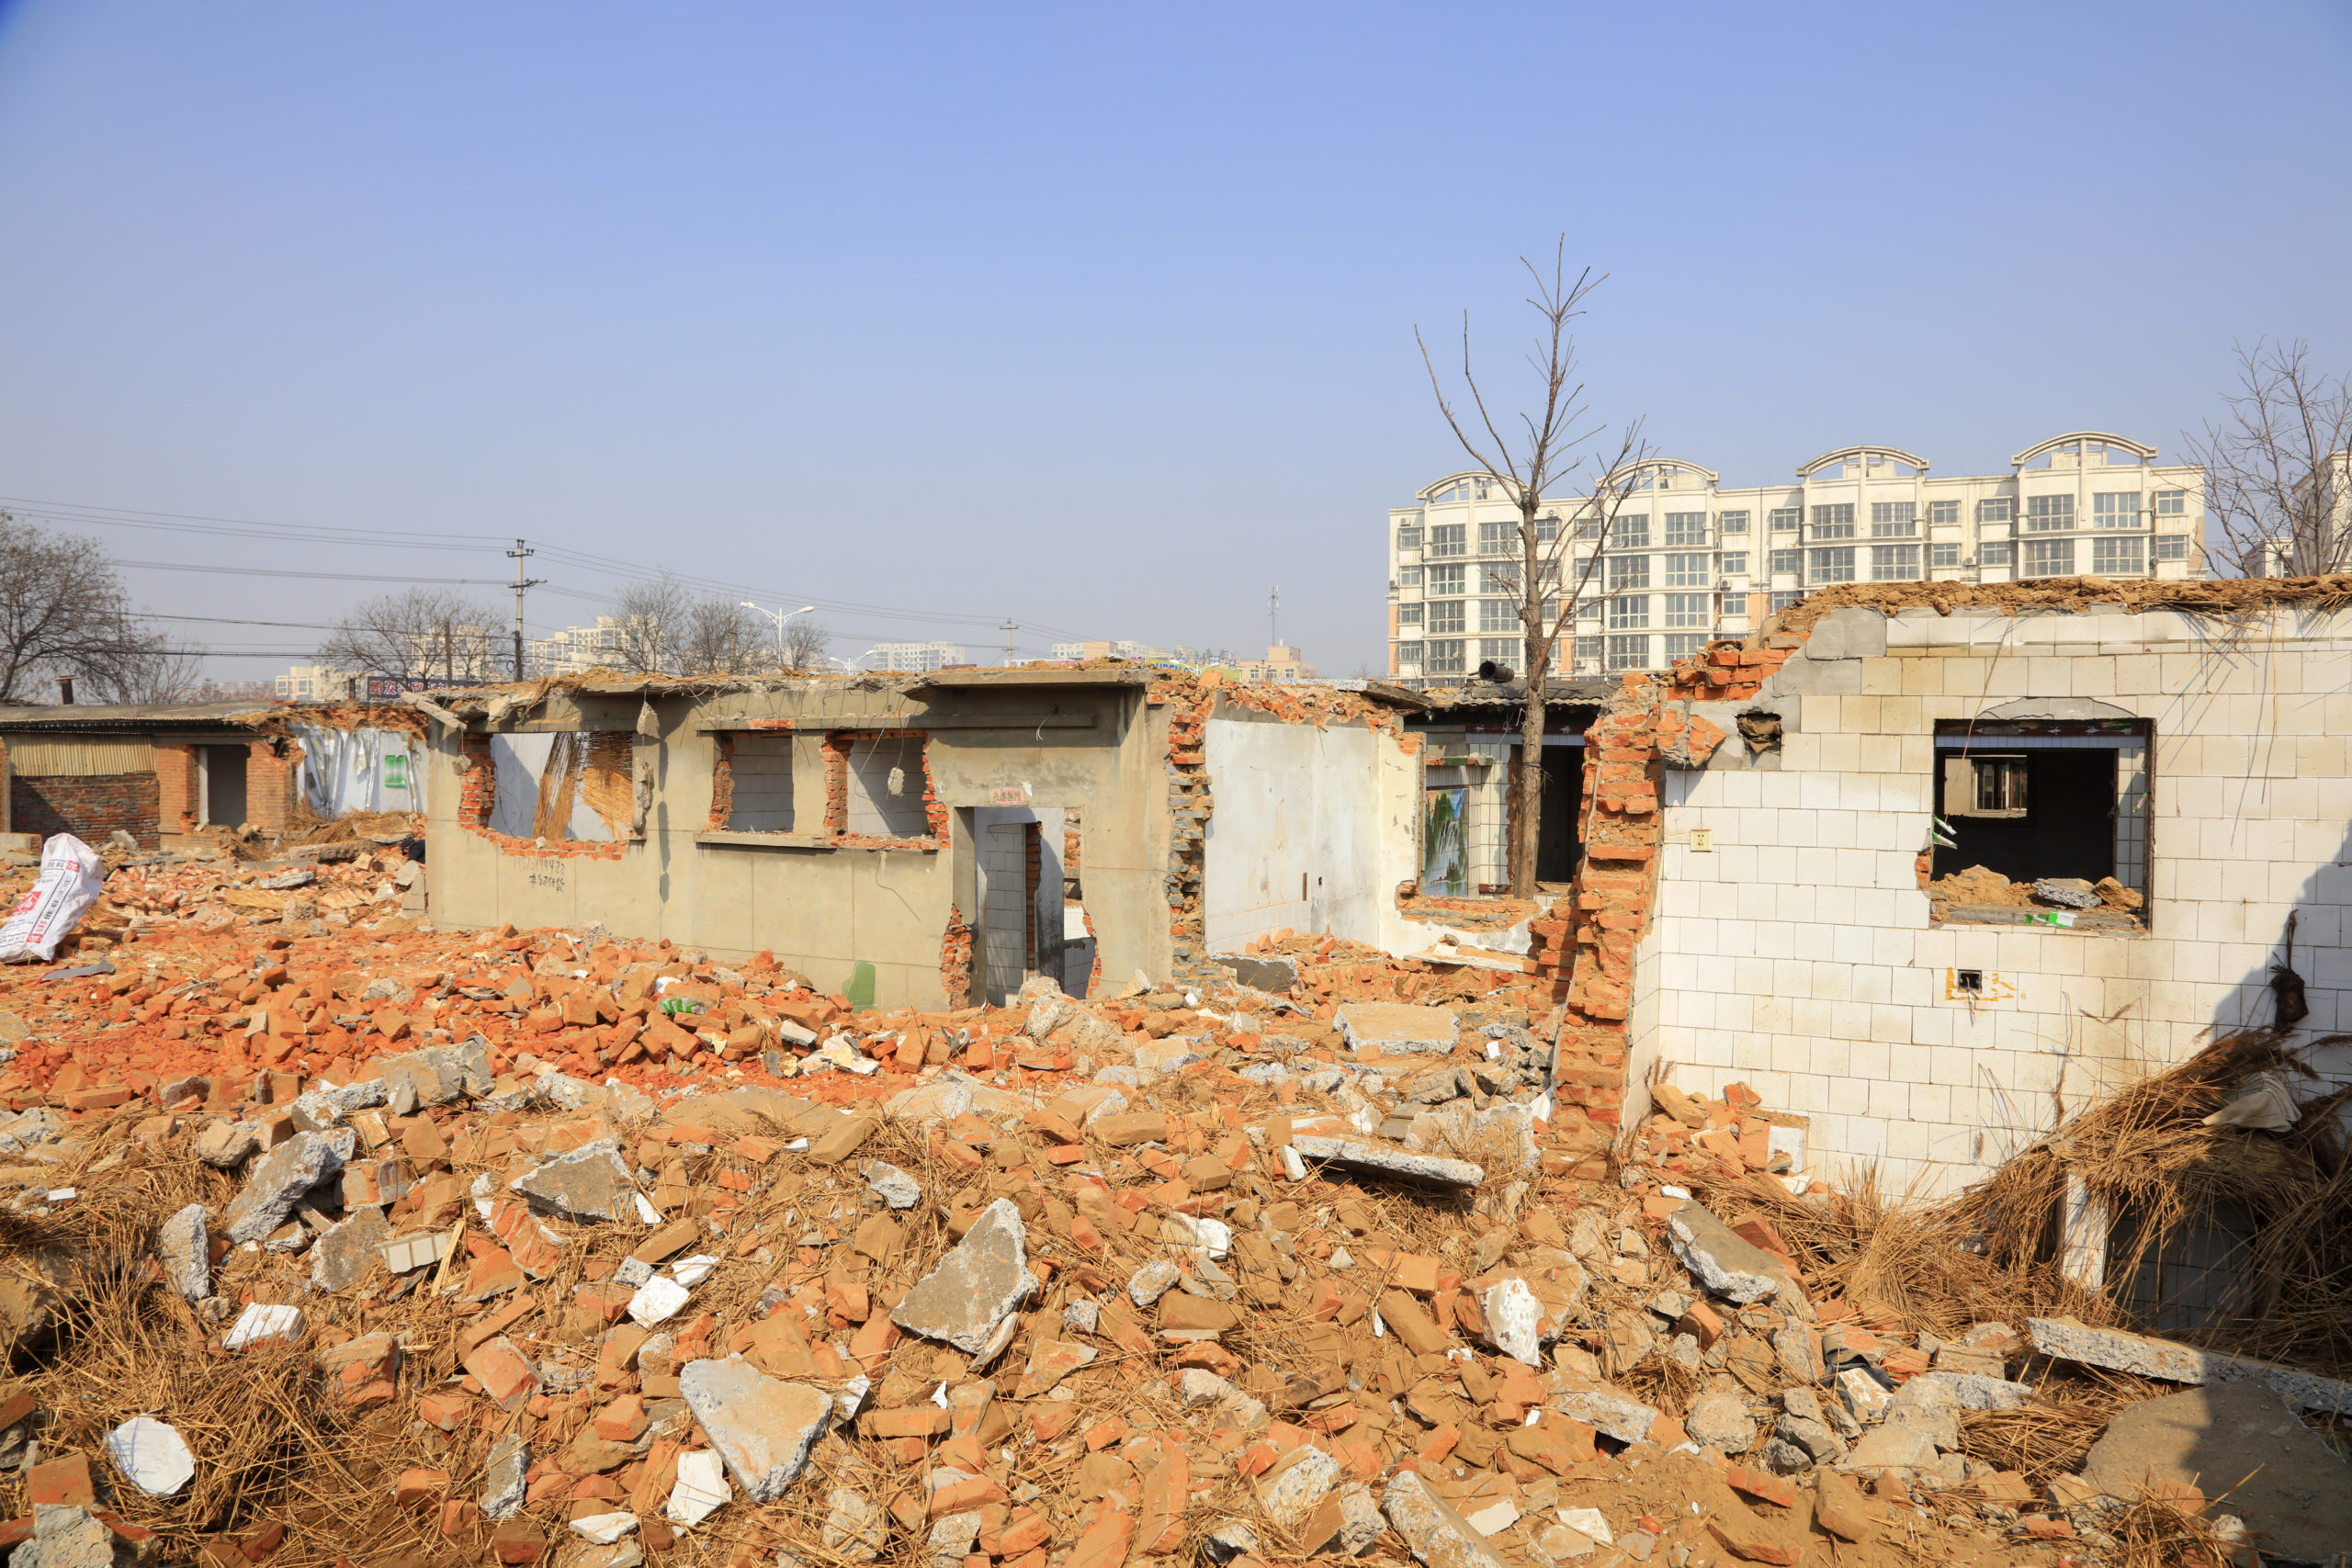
[326, 1239]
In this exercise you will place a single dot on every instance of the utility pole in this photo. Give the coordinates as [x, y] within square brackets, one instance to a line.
[1008, 629]
[521, 583]
[1275, 615]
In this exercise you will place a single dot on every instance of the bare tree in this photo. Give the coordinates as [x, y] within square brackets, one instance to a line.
[63, 611]
[1552, 447]
[652, 616]
[421, 634]
[156, 674]
[803, 644]
[717, 637]
[2276, 468]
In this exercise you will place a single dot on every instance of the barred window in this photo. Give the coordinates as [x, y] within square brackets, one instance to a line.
[1995, 509]
[1408, 614]
[1449, 539]
[1687, 610]
[1631, 532]
[1834, 566]
[1685, 645]
[2049, 557]
[1628, 571]
[1448, 579]
[1497, 538]
[1629, 610]
[1944, 511]
[1687, 572]
[2115, 509]
[1629, 653]
[1895, 563]
[1496, 615]
[2172, 503]
[1446, 616]
[1947, 555]
[1409, 653]
[1734, 563]
[2044, 514]
[1784, 519]
[1685, 528]
[1409, 536]
[1835, 521]
[1892, 520]
[1788, 560]
[2118, 557]
[1408, 577]
[1442, 659]
[1731, 521]
[2172, 546]
[1998, 553]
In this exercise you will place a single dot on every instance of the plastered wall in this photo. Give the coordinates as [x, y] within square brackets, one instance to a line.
[1797, 954]
[818, 907]
[1328, 812]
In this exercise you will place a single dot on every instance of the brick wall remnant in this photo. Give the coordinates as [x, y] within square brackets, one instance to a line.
[88, 806]
[955, 960]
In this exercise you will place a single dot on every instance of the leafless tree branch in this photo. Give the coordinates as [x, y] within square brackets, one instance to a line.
[2277, 483]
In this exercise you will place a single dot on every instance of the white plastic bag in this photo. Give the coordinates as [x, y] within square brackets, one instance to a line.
[71, 881]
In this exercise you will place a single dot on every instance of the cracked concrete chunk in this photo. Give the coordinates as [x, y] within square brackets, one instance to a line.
[1513, 1319]
[188, 1257]
[1360, 1521]
[1293, 1487]
[1726, 1265]
[1608, 1412]
[1438, 1536]
[228, 1145]
[280, 1180]
[1151, 1282]
[761, 1427]
[855, 1526]
[890, 1184]
[1720, 1421]
[67, 1536]
[1379, 1160]
[977, 1285]
[348, 1253]
[502, 1487]
[588, 1183]
[1395, 1028]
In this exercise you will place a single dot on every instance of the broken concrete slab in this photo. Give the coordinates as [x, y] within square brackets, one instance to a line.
[977, 1285]
[761, 1427]
[1727, 1265]
[1380, 1160]
[349, 1252]
[890, 1184]
[1272, 976]
[504, 1487]
[855, 1527]
[1437, 1535]
[589, 1182]
[1970, 1391]
[1296, 1485]
[186, 1253]
[1398, 1029]
[2292, 1490]
[1606, 1411]
[281, 1177]
[2116, 1350]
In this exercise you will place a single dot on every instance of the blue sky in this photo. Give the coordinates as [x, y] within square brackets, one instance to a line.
[1100, 319]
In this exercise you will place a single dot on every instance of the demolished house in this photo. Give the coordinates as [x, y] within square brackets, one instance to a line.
[169, 774]
[930, 839]
[597, 1221]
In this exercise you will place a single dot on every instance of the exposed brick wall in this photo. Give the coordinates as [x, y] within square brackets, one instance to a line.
[936, 812]
[478, 792]
[722, 784]
[955, 960]
[89, 807]
[176, 788]
[1189, 804]
[273, 769]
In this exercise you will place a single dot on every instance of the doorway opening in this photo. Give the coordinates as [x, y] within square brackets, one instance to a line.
[1023, 924]
[221, 787]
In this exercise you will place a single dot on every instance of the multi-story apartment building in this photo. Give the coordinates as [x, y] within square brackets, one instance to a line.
[913, 658]
[1687, 559]
[316, 683]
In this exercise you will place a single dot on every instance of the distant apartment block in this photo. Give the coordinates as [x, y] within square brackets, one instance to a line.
[913, 658]
[1143, 652]
[1687, 559]
[314, 684]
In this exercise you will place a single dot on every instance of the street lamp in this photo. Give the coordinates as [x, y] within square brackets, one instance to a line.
[779, 617]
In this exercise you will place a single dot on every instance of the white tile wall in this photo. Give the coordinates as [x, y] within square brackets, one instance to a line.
[1798, 955]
